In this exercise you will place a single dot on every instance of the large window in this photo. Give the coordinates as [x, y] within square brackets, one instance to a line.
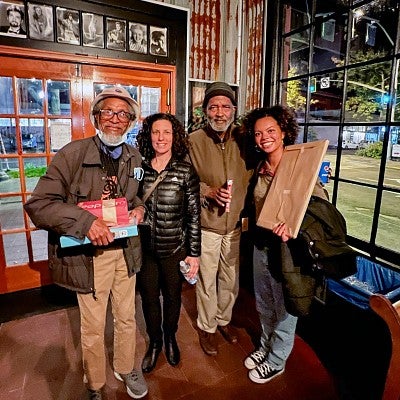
[338, 68]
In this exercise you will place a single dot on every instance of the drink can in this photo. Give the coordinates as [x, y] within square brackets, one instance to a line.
[324, 172]
[229, 184]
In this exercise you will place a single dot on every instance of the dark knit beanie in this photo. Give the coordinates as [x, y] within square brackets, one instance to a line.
[218, 89]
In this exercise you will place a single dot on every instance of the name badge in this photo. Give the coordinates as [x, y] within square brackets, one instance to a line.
[138, 173]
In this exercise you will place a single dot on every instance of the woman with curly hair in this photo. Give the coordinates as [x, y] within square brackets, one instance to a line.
[268, 131]
[173, 224]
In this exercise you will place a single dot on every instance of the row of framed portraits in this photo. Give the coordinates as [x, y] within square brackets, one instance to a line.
[65, 25]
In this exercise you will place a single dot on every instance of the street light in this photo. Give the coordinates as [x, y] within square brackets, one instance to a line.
[358, 14]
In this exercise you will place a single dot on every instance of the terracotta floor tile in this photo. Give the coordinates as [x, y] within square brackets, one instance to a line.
[40, 359]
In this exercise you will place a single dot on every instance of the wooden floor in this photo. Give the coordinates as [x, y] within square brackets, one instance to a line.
[40, 358]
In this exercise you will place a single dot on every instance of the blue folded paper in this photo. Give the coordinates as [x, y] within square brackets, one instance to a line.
[119, 232]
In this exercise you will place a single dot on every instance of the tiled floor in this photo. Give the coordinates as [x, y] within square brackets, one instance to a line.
[40, 359]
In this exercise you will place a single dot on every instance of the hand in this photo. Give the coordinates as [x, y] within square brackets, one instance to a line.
[220, 195]
[136, 216]
[194, 263]
[282, 231]
[99, 233]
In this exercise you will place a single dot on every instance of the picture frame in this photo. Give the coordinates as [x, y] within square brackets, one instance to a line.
[158, 41]
[137, 37]
[40, 18]
[93, 30]
[290, 191]
[68, 26]
[12, 19]
[116, 34]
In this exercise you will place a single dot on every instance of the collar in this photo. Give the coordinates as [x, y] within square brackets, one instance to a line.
[14, 30]
[265, 169]
[113, 151]
[216, 137]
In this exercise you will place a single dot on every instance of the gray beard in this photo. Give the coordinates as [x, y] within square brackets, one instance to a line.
[219, 128]
[112, 140]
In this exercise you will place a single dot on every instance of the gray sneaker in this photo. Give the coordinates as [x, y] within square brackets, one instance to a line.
[135, 384]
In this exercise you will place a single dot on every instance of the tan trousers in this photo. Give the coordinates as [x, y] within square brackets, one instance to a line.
[111, 281]
[218, 286]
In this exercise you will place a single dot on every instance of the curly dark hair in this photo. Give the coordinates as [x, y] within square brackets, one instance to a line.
[284, 116]
[180, 141]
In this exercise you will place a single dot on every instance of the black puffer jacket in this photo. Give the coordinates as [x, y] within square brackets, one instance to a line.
[172, 210]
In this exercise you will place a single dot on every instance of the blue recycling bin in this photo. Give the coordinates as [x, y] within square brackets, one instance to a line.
[369, 279]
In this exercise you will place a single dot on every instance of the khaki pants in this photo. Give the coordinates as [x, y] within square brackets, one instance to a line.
[218, 286]
[111, 281]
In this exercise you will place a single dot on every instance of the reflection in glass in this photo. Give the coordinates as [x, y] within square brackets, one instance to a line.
[356, 203]
[13, 184]
[373, 29]
[396, 96]
[39, 245]
[331, 156]
[368, 92]
[34, 168]
[60, 133]
[392, 175]
[8, 137]
[30, 96]
[389, 222]
[330, 43]
[32, 135]
[296, 14]
[360, 169]
[326, 97]
[15, 248]
[328, 7]
[58, 97]
[294, 94]
[300, 137]
[296, 52]
[322, 132]
[11, 212]
[394, 145]
[131, 138]
[6, 95]
[150, 101]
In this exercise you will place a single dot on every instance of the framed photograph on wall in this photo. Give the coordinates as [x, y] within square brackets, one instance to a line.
[158, 41]
[116, 34]
[93, 30]
[137, 37]
[12, 19]
[40, 17]
[68, 26]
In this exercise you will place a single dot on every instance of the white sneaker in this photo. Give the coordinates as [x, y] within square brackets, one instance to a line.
[255, 358]
[264, 373]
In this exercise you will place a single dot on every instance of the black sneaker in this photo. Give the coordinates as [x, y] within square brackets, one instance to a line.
[264, 373]
[135, 384]
[95, 394]
[256, 358]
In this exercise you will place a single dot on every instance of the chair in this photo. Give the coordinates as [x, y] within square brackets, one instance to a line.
[390, 313]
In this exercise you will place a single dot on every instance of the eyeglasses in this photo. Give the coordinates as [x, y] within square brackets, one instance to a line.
[123, 116]
[225, 108]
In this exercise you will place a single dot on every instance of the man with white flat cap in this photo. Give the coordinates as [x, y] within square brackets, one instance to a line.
[100, 167]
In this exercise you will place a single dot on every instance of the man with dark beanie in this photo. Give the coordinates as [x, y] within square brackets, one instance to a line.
[216, 156]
